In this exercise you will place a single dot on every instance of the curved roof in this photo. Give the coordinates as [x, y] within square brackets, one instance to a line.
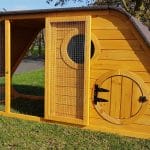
[142, 29]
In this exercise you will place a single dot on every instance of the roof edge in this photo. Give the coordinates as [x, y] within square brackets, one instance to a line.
[140, 27]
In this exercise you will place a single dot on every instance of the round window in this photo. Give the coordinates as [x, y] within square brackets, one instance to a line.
[75, 48]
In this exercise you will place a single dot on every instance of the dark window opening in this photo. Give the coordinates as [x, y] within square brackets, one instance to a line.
[75, 48]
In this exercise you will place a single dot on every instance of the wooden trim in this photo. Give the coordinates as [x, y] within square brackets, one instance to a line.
[67, 19]
[47, 49]
[65, 55]
[21, 116]
[87, 70]
[7, 66]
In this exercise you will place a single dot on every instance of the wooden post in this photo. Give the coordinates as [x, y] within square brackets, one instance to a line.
[87, 69]
[46, 97]
[7, 66]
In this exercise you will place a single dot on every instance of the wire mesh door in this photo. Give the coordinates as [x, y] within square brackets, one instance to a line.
[2, 65]
[68, 65]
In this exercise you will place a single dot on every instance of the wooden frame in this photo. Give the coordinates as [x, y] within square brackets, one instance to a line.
[7, 66]
[50, 71]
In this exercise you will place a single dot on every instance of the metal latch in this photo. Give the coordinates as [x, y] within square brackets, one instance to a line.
[142, 99]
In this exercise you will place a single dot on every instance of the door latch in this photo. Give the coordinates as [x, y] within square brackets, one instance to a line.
[142, 99]
[96, 90]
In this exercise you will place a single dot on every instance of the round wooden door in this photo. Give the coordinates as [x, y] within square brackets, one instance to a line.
[120, 97]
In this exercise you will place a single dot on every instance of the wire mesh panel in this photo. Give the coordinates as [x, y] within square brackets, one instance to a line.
[2, 65]
[68, 70]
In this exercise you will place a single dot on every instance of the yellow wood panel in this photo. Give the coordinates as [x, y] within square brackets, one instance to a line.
[115, 65]
[144, 75]
[61, 64]
[72, 73]
[147, 112]
[144, 120]
[96, 73]
[126, 96]
[115, 97]
[134, 130]
[69, 111]
[108, 22]
[135, 127]
[113, 34]
[135, 99]
[121, 55]
[70, 82]
[69, 91]
[120, 44]
[68, 100]
[50, 71]
[7, 66]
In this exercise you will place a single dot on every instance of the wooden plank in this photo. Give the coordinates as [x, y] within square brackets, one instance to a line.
[47, 75]
[96, 73]
[69, 100]
[51, 66]
[87, 70]
[126, 98]
[144, 120]
[113, 34]
[115, 65]
[72, 73]
[115, 97]
[134, 130]
[60, 63]
[147, 112]
[70, 91]
[120, 44]
[69, 111]
[136, 105]
[121, 55]
[107, 22]
[7, 66]
[70, 82]
[144, 75]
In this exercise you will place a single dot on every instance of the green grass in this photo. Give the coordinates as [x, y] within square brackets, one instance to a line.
[31, 83]
[20, 134]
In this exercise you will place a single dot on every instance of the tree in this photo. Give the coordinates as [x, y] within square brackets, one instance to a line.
[138, 8]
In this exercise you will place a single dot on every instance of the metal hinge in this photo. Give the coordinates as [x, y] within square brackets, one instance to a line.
[96, 90]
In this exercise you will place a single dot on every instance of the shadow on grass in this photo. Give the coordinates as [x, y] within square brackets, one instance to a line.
[28, 106]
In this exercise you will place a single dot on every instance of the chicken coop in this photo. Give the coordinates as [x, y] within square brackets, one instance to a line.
[97, 68]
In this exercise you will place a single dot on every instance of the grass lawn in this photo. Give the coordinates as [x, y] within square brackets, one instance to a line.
[20, 134]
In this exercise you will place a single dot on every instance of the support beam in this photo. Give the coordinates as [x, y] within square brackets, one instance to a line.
[7, 66]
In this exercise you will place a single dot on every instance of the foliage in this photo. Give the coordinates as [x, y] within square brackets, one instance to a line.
[138, 8]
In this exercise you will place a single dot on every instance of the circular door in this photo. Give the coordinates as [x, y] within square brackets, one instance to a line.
[120, 97]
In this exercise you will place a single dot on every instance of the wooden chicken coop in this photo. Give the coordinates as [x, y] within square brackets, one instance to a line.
[97, 68]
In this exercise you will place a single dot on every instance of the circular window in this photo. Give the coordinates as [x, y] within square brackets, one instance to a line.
[75, 48]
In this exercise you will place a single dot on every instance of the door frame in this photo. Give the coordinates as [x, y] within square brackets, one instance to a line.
[49, 106]
[140, 83]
